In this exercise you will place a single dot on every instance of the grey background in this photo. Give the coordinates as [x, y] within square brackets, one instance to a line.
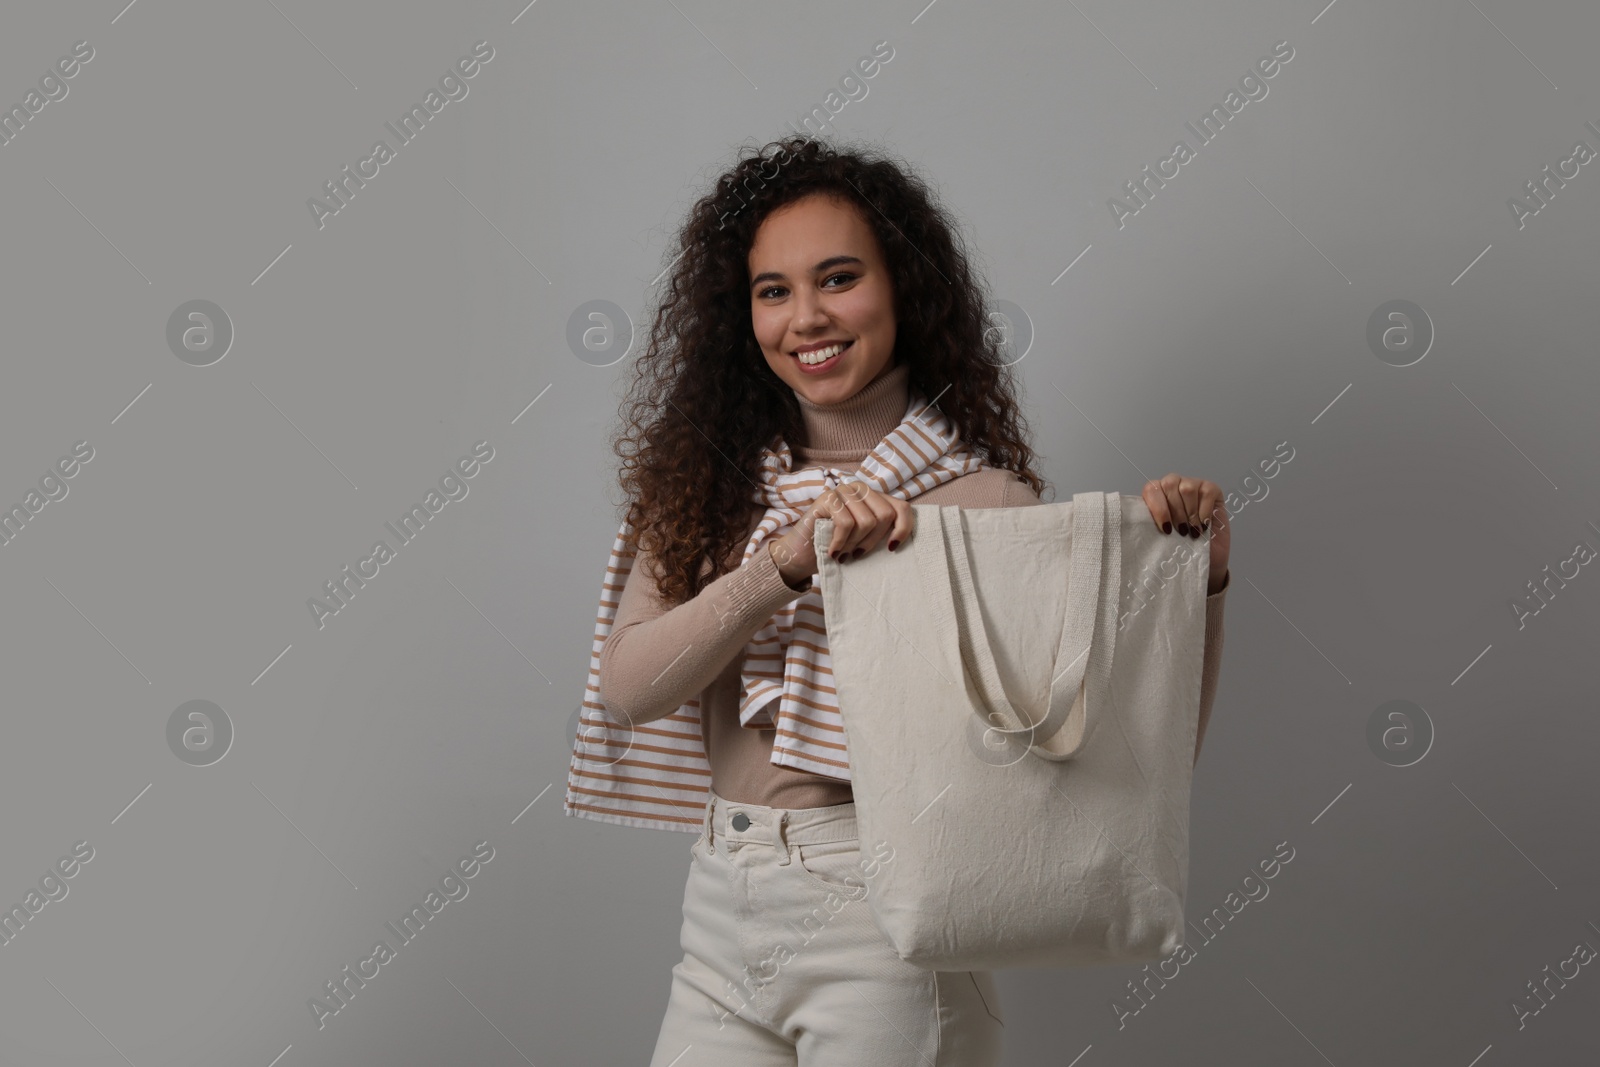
[1228, 315]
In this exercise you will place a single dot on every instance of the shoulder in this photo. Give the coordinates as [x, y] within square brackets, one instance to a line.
[992, 487]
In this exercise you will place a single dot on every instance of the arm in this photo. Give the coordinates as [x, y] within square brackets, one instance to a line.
[1019, 494]
[656, 658]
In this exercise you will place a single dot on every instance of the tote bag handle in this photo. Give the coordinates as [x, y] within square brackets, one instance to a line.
[1088, 634]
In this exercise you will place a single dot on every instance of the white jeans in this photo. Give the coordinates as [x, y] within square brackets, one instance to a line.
[784, 966]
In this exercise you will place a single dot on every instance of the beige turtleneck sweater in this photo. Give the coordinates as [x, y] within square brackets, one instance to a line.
[657, 657]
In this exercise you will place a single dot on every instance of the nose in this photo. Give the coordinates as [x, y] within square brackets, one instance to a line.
[808, 313]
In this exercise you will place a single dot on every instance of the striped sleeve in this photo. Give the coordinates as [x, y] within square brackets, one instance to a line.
[657, 658]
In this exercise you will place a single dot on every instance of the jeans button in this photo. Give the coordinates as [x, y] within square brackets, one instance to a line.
[741, 822]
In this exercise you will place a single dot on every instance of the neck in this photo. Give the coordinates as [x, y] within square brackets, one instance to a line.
[848, 430]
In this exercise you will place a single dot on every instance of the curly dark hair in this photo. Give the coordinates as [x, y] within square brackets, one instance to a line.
[704, 401]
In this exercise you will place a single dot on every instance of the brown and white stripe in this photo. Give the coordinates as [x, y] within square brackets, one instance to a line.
[658, 776]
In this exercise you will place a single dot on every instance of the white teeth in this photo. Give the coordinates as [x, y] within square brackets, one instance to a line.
[821, 355]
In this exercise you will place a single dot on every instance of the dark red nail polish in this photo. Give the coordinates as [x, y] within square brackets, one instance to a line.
[1166, 527]
[1183, 529]
[893, 545]
[857, 553]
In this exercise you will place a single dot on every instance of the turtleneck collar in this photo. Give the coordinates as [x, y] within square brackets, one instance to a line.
[845, 432]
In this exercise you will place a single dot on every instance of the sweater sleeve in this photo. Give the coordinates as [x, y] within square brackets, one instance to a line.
[657, 658]
[1016, 493]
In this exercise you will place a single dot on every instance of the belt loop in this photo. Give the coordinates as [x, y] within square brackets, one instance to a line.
[779, 843]
[710, 822]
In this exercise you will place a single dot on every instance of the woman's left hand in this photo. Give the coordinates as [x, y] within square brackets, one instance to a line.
[1188, 507]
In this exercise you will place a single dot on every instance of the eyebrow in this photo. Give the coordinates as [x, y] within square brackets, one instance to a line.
[831, 261]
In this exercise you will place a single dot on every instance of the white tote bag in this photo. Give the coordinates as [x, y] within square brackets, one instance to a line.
[1020, 690]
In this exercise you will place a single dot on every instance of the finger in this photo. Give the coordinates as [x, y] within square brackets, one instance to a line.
[831, 505]
[854, 490]
[844, 499]
[864, 519]
[905, 522]
[1189, 493]
[1219, 517]
[884, 517]
[841, 504]
[1156, 501]
[1177, 506]
[1210, 497]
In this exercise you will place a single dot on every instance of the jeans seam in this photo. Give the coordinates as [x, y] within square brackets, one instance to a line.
[843, 890]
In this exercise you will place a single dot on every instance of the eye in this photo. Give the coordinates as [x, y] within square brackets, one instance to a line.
[769, 290]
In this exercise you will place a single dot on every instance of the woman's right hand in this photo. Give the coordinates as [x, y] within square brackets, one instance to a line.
[862, 519]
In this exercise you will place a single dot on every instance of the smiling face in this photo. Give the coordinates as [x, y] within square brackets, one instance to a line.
[816, 277]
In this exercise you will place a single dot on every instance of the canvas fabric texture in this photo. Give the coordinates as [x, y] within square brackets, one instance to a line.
[1020, 738]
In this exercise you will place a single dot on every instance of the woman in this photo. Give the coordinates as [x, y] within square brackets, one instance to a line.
[819, 304]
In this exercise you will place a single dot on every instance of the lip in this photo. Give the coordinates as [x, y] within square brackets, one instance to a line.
[826, 365]
[819, 344]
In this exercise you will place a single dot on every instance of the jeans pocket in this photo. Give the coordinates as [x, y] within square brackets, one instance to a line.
[835, 865]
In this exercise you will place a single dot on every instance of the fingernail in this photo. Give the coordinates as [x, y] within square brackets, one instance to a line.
[1166, 527]
[1194, 531]
[892, 545]
[1183, 529]
[857, 553]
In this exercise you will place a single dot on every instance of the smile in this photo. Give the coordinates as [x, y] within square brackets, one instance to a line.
[823, 358]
